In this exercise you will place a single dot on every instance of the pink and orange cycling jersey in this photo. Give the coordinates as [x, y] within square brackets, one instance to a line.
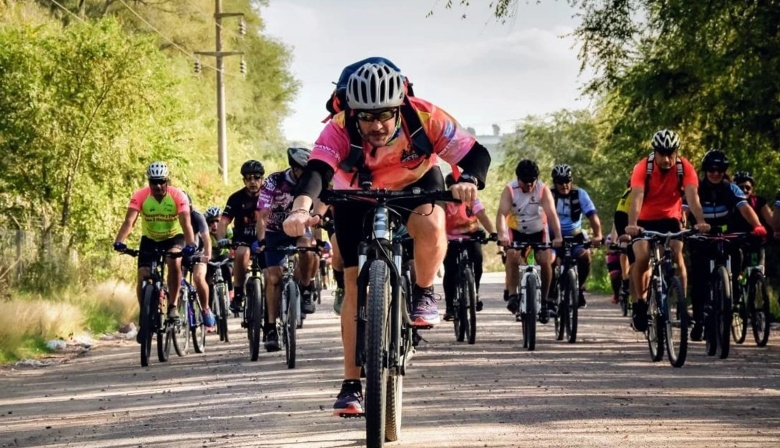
[160, 220]
[397, 165]
[462, 219]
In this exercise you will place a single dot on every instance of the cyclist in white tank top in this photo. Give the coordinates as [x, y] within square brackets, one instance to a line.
[525, 210]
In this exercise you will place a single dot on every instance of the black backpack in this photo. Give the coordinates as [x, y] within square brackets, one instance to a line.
[575, 207]
[337, 102]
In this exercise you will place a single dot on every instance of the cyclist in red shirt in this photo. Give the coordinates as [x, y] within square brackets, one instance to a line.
[656, 205]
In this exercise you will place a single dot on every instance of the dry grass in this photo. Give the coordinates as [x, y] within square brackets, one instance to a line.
[38, 318]
[115, 299]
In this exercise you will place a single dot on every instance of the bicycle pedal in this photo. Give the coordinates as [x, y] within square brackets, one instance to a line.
[243, 325]
[346, 415]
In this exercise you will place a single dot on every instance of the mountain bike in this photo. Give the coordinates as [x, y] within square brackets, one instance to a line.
[530, 293]
[153, 318]
[667, 310]
[624, 297]
[566, 286]
[753, 284]
[464, 303]
[719, 306]
[254, 307]
[219, 297]
[191, 312]
[290, 316]
[383, 308]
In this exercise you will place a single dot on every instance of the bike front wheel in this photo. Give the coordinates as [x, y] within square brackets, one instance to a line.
[571, 291]
[529, 316]
[196, 327]
[146, 323]
[677, 322]
[377, 347]
[181, 339]
[291, 323]
[254, 317]
[655, 331]
[740, 318]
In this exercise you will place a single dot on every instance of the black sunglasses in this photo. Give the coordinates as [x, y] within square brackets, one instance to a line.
[158, 181]
[382, 116]
[716, 169]
[562, 180]
[249, 177]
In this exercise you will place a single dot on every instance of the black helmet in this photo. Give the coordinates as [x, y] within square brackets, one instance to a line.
[252, 167]
[743, 176]
[298, 157]
[527, 170]
[715, 158]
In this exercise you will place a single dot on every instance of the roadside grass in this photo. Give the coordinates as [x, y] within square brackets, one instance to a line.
[28, 321]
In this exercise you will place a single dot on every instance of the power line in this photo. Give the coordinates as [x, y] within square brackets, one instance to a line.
[177, 46]
[69, 11]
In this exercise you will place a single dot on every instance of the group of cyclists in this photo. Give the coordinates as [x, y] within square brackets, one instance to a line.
[374, 141]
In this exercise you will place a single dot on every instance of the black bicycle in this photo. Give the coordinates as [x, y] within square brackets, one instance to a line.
[254, 304]
[667, 311]
[624, 297]
[383, 308]
[153, 320]
[290, 318]
[755, 297]
[465, 302]
[219, 297]
[566, 287]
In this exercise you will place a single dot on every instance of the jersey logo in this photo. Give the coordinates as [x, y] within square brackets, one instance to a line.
[411, 159]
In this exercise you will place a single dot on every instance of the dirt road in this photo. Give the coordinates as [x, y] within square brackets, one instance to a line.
[602, 391]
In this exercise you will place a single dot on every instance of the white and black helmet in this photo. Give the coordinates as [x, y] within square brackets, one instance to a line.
[213, 212]
[375, 86]
[298, 157]
[561, 171]
[665, 141]
[157, 170]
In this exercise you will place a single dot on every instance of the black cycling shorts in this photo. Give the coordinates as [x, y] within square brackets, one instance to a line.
[150, 245]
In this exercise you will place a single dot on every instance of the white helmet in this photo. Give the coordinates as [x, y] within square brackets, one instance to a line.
[375, 86]
[213, 212]
[157, 170]
[665, 141]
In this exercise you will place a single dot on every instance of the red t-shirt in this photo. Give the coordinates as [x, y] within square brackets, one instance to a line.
[662, 200]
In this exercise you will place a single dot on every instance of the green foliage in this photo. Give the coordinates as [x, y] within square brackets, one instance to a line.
[29, 347]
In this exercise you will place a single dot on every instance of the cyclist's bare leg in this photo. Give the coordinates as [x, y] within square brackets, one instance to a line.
[273, 291]
[545, 259]
[640, 273]
[201, 285]
[430, 242]
[348, 323]
[308, 263]
[174, 277]
[682, 272]
[240, 265]
[143, 273]
[512, 269]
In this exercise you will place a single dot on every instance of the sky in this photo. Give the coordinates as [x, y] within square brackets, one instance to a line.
[479, 70]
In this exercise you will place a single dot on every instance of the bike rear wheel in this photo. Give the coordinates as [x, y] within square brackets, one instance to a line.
[195, 325]
[571, 297]
[220, 310]
[529, 317]
[740, 317]
[461, 322]
[655, 331]
[291, 323]
[254, 317]
[719, 318]
[146, 323]
[377, 346]
[181, 341]
[758, 305]
[677, 323]
[471, 293]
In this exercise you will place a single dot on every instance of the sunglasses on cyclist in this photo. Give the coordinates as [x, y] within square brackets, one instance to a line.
[745, 188]
[716, 169]
[562, 180]
[382, 116]
[249, 177]
[158, 181]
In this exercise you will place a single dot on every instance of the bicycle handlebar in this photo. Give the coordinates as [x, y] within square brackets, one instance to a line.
[653, 235]
[333, 196]
[154, 253]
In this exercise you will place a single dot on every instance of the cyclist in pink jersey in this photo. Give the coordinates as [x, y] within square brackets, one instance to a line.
[463, 221]
[165, 215]
[377, 99]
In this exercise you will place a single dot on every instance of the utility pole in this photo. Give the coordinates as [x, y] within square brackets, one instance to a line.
[219, 55]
